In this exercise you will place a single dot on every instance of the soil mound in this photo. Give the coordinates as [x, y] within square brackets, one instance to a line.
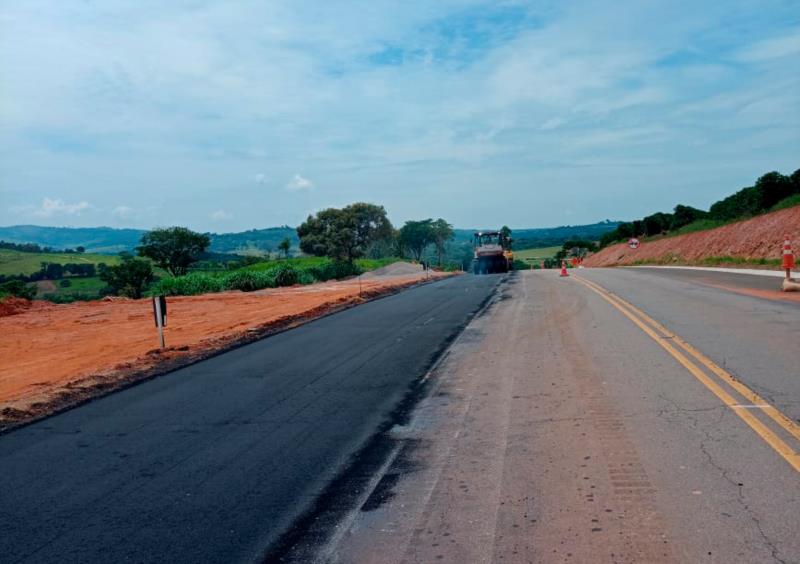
[757, 238]
[11, 306]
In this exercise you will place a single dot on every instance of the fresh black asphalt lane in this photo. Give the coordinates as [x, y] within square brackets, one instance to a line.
[211, 463]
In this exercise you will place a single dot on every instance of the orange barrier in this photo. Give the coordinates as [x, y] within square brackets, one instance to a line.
[788, 257]
[788, 264]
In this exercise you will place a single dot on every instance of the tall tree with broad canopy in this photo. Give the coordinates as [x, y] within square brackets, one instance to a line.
[344, 234]
[415, 236]
[173, 248]
[442, 232]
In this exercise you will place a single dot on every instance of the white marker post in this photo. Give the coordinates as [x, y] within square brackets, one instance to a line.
[160, 313]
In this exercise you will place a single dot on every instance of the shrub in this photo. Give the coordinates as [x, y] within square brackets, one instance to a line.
[68, 298]
[285, 275]
[334, 270]
[128, 278]
[65, 283]
[190, 285]
[789, 202]
[248, 281]
[18, 288]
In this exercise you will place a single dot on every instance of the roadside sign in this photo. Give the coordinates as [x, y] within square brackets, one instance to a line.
[160, 315]
[160, 311]
[633, 243]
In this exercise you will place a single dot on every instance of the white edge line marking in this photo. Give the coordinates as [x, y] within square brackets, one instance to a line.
[751, 271]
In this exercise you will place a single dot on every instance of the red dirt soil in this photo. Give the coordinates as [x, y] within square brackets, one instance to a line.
[52, 356]
[756, 238]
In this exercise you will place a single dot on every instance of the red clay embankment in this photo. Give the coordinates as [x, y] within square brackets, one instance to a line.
[757, 238]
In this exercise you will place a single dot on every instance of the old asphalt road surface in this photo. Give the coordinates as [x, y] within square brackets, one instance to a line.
[612, 416]
[213, 462]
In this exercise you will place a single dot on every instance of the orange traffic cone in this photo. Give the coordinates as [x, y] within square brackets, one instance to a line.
[789, 284]
[564, 268]
[788, 257]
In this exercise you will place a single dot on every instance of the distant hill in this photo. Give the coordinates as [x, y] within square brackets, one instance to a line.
[254, 240]
[94, 239]
[548, 236]
[109, 240]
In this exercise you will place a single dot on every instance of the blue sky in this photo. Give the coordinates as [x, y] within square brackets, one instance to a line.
[233, 115]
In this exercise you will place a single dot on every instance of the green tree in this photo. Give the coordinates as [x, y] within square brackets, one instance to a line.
[684, 215]
[128, 278]
[51, 270]
[17, 288]
[415, 236]
[344, 234]
[772, 188]
[173, 248]
[80, 249]
[441, 233]
[657, 223]
[285, 246]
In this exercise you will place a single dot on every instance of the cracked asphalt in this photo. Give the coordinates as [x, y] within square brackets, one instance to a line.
[559, 431]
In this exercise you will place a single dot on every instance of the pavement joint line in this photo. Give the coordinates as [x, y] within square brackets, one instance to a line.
[751, 396]
[326, 553]
[769, 436]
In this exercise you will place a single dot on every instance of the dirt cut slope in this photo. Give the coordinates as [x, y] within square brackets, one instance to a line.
[757, 238]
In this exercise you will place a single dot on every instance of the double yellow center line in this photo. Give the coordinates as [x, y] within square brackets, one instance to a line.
[725, 386]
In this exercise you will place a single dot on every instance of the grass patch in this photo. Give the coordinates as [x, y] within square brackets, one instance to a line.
[69, 290]
[726, 260]
[17, 262]
[700, 225]
[789, 202]
[268, 274]
[535, 255]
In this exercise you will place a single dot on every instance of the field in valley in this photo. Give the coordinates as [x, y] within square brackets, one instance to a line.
[536, 255]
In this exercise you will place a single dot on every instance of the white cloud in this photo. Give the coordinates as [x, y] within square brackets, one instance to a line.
[123, 212]
[221, 215]
[773, 48]
[405, 103]
[298, 183]
[56, 206]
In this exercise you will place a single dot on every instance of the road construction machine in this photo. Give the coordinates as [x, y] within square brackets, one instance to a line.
[492, 252]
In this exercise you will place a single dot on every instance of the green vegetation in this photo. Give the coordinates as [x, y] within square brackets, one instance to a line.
[727, 260]
[791, 201]
[173, 248]
[14, 263]
[78, 289]
[272, 274]
[345, 234]
[771, 192]
[284, 246]
[130, 278]
[416, 236]
[536, 255]
[260, 242]
[16, 288]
